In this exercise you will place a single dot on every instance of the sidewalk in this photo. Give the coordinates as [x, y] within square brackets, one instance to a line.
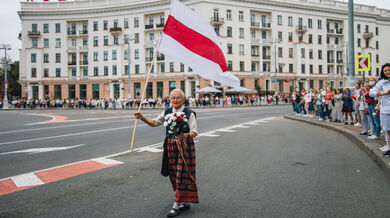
[369, 146]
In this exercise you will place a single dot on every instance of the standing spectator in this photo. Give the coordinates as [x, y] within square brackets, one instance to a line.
[337, 114]
[319, 101]
[328, 98]
[372, 101]
[347, 105]
[298, 103]
[363, 108]
[382, 88]
[309, 104]
[355, 97]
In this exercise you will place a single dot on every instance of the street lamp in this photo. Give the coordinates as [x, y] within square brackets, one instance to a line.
[275, 41]
[127, 39]
[351, 80]
[5, 102]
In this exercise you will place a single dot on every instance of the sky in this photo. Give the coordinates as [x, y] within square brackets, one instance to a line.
[10, 24]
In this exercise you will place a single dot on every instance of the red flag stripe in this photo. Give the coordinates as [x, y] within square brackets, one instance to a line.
[195, 42]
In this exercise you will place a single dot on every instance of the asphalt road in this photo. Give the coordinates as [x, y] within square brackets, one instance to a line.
[264, 168]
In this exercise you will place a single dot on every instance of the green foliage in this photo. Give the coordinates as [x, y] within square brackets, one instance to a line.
[258, 89]
[14, 88]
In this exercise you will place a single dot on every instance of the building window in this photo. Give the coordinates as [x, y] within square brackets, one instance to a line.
[290, 68]
[242, 66]
[358, 28]
[136, 22]
[280, 36]
[229, 31]
[58, 27]
[113, 54]
[241, 16]
[280, 67]
[310, 23]
[162, 68]
[126, 23]
[172, 85]
[105, 70]
[114, 70]
[171, 67]
[181, 67]
[95, 26]
[241, 33]
[359, 43]
[228, 14]
[216, 29]
[319, 23]
[58, 72]
[311, 53]
[74, 71]
[229, 48]
[377, 58]
[280, 52]
[327, 40]
[303, 70]
[136, 54]
[105, 25]
[96, 71]
[46, 28]
[116, 40]
[58, 43]
[136, 38]
[290, 36]
[303, 53]
[319, 39]
[34, 43]
[320, 54]
[95, 41]
[310, 38]
[33, 72]
[290, 21]
[105, 55]
[149, 90]
[320, 69]
[83, 91]
[291, 52]
[311, 68]
[242, 49]
[136, 69]
[253, 67]
[85, 71]
[230, 65]
[58, 57]
[377, 31]
[116, 23]
[33, 57]
[336, 41]
[95, 56]
[57, 91]
[46, 43]
[300, 37]
[45, 58]
[45, 72]
[280, 22]
[105, 40]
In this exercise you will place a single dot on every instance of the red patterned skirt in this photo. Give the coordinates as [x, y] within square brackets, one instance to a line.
[182, 169]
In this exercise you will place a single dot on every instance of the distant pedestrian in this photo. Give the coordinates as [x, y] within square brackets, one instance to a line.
[347, 106]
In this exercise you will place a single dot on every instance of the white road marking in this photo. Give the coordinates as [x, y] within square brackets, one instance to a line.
[66, 135]
[42, 150]
[28, 179]
[107, 161]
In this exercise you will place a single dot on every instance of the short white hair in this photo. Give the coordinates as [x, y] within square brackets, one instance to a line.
[178, 90]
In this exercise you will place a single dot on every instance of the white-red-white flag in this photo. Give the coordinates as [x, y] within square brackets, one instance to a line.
[188, 38]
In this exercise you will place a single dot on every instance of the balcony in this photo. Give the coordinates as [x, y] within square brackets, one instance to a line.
[255, 24]
[330, 31]
[301, 29]
[149, 26]
[34, 34]
[217, 21]
[330, 61]
[83, 32]
[83, 48]
[255, 41]
[84, 62]
[260, 25]
[339, 31]
[266, 57]
[71, 63]
[368, 35]
[148, 59]
[255, 57]
[72, 48]
[340, 61]
[266, 25]
[72, 33]
[330, 47]
[161, 57]
[150, 44]
[159, 25]
[334, 31]
[116, 30]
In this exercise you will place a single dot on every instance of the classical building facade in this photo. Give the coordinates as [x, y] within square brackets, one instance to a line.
[78, 49]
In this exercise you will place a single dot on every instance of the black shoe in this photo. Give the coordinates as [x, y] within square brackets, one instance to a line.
[352, 123]
[386, 154]
[184, 206]
[363, 133]
[346, 123]
[174, 212]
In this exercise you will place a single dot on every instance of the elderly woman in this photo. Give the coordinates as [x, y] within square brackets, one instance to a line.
[179, 154]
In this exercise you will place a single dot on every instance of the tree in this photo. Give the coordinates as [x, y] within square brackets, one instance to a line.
[14, 88]
[258, 89]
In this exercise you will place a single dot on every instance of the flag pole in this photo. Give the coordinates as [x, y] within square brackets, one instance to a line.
[142, 98]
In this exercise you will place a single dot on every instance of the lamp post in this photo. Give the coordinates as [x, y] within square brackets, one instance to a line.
[275, 41]
[351, 80]
[127, 39]
[5, 102]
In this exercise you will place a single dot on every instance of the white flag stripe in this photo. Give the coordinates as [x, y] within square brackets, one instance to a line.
[193, 21]
[204, 67]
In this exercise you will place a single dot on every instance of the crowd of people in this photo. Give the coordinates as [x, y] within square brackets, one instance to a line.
[126, 103]
[367, 106]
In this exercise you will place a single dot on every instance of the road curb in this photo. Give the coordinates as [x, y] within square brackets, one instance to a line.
[369, 147]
